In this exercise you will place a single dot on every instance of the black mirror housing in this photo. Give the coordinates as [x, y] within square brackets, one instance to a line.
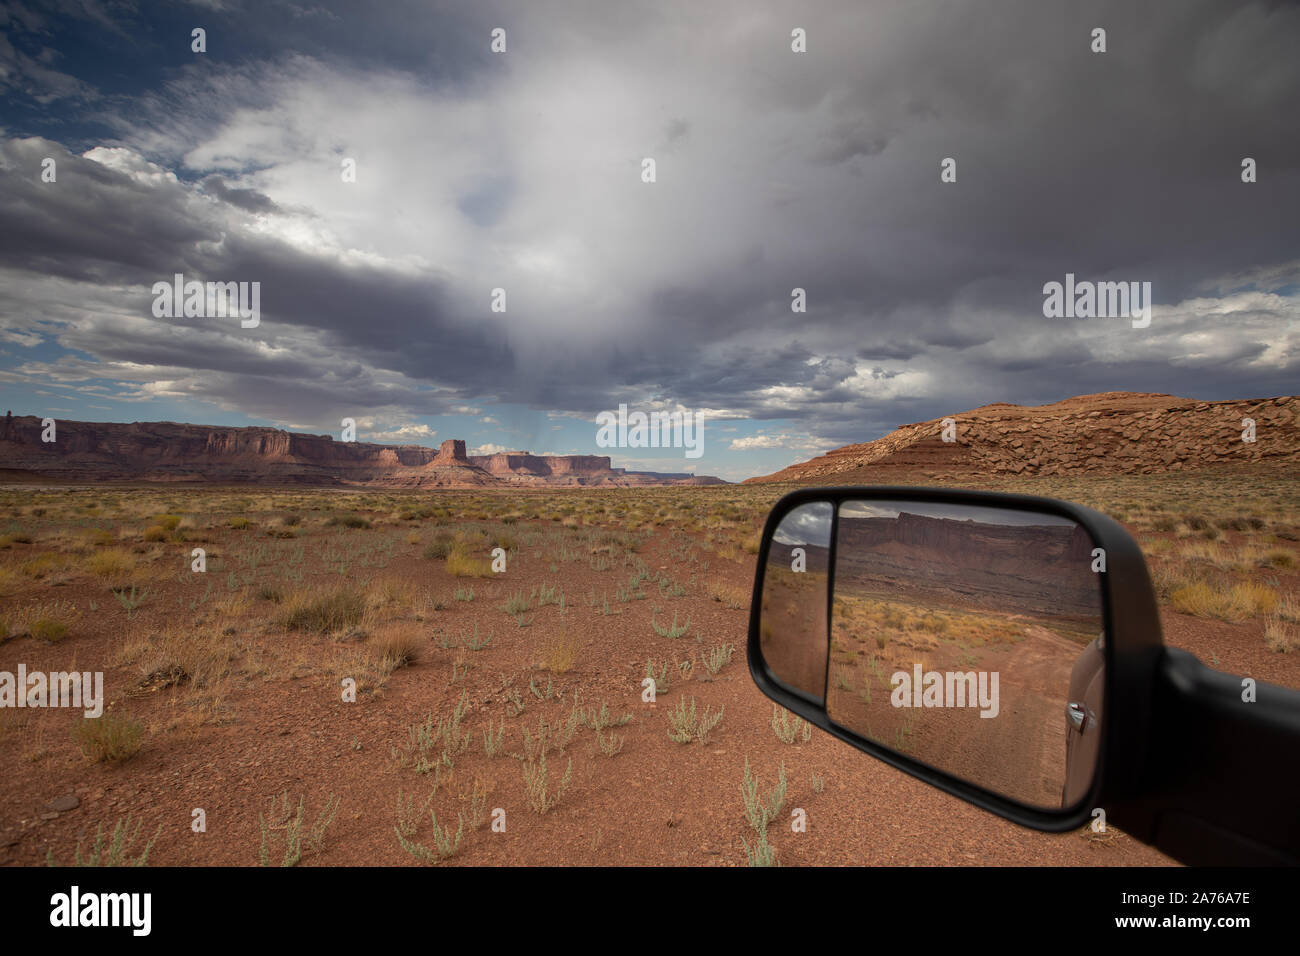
[1132, 649]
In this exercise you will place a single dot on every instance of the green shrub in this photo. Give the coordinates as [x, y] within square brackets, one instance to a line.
[110, 738]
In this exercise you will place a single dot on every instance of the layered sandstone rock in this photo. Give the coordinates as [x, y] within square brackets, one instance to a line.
[169, 451]
[1044, 567]
[1108, 433]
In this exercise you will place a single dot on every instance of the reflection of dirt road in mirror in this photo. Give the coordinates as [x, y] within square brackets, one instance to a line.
[1020, 752]
[792, 632]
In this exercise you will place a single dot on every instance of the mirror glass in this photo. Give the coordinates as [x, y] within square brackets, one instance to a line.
[792, 624]
[970, 638]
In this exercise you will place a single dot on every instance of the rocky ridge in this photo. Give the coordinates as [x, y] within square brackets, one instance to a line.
[1107, 433]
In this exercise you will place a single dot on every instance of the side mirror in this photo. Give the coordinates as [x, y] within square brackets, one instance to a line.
[962, 637]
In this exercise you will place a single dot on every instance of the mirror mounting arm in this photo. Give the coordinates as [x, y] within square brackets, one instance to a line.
[1215, 784]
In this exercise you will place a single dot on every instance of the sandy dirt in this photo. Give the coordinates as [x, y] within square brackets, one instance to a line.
[276, 723]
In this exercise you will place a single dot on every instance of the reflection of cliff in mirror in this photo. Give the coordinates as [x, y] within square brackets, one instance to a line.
[966, 637]
[792, 629]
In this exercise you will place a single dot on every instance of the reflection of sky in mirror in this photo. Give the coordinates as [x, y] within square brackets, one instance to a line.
[958, 512]
[807, 524]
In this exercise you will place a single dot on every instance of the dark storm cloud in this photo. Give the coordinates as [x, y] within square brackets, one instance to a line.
[776, 170]
[247, 199]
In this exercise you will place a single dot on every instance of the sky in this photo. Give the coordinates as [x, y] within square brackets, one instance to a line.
[523, 170]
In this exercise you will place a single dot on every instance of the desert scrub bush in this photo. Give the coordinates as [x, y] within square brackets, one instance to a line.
[478, 797]
[537, 691]
[396, 650]
[133, 599]
[109, 738]
[731, 595]
[440, 547]
[38, 566]
[672, 630]
[239, 523]
[472, 641]
[49, 629]
[444, 844]
[407, 816]
[432, 745]
[549, 736]
[598, 720]
[1281, 559]
[179, 654]
[1234, 602]
[715, 659]
[542, 793]
[662, 677]
[1288, 608]
[518, 602]
[117, 851]
[790, 727]
[550, 595]
[761, 810]
[611, 745]
[684, 725]
[1279, 637]
[348, 521]
[292, 826]
[322, 611]
[462, 565]
[112, 563]
[494, 741]
[393, 592]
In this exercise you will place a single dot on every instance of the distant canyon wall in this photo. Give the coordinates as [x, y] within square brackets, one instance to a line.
[171, 451]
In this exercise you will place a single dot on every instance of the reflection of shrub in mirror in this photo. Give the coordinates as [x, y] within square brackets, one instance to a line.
[954, 633]
[792, 628]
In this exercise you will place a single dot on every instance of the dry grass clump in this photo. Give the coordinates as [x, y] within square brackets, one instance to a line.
[199, 655]
[348, 521]
[393, 592]
[49, 629]
[322, 611]
[732, 595]
[440, 547]
[110, 738]
[1281, 559]
[462, 565]
[396, 649]
[1230, 602]
[1280, 637]
[113, 564]
[48, 621]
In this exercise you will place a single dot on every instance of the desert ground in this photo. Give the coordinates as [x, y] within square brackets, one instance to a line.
[499, 716]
